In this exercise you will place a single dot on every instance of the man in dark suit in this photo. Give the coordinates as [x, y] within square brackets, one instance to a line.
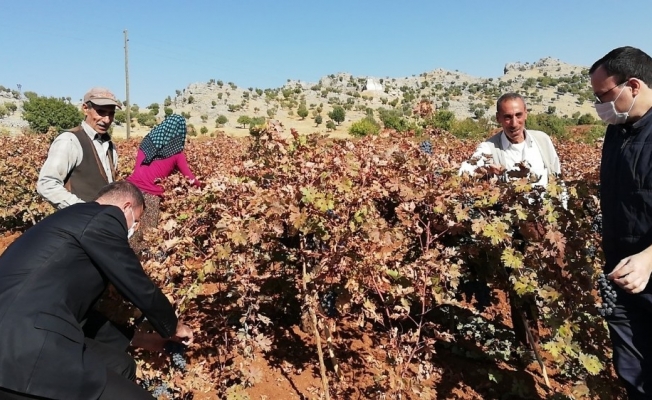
[50, 277]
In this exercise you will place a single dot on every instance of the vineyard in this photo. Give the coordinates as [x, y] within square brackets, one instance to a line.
[313, 268]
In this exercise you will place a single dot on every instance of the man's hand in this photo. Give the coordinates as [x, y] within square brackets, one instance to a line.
[183, 334]
[633, 273]
[148, 341]
[495, 169]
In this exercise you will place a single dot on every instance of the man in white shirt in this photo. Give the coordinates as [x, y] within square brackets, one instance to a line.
[503, 152]
[514, 144]
[82, 160]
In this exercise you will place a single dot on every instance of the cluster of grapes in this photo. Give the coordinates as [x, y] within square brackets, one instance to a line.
[327, 302]
[176, 350]
[157, 390]
[608, 294]
[331, 214]
[426, 147]
[597, 224]
[590, 251]
[480, 290]
[160, 256]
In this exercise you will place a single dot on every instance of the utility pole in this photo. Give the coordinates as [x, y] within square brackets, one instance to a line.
[127, 105]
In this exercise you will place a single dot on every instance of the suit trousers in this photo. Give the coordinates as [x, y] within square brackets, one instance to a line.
[120, 374]
[117, 388]
[629, 329]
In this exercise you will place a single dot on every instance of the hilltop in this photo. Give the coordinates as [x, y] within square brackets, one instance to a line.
[549, 85]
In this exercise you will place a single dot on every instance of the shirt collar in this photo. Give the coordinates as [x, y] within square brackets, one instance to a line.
[92, 133]
[505, 143]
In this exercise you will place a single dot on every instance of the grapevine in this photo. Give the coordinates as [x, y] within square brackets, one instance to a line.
[398, 234]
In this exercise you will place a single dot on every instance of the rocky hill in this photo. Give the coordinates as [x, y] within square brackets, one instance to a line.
[549, 85]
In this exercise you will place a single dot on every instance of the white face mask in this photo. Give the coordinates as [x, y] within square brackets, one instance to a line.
[608, 113]
[131, 230]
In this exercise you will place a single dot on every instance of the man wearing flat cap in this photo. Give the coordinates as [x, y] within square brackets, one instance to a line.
[82, 160]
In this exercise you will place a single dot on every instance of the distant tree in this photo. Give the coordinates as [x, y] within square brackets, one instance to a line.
[244, 120]
[43, 112]
[178, 92]
[255, 121]
[29, 95]
[186, 115]
[364, 127]
[221, 120]
[11, 107]
[153, 108]
[135, 109]
[203, 130]
[120, 117]
[393, 119]
[168, 111]
[330, 125]
[204, 118]
[302, 111]
[551, 110]
[213, 103]
[146, 119]
[219, 96]
[318, 120]
[271, 112]
[3, 111]
[337, 114]
[167, 102]
[586, 119]
[191, 99]
[443, 119]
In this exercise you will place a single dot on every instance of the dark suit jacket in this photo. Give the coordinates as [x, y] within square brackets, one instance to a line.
[50, 277]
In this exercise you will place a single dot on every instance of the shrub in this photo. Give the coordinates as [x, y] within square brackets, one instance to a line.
[11, 107]
[146, 119]
[468, 129]
[302, 111]
[221, 120]
[43, 112]
[393, 119]
[203, 130]
[586, 119]
[442, 119]
[244, 120]
[337, 114]
[364, 127]
[120, 117]
[551, 124]
[330, 125]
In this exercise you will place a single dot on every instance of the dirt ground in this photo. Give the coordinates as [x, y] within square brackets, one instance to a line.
[290, 370]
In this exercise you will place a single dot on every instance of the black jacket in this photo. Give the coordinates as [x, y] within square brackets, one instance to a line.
[626, 190]
[50, 277]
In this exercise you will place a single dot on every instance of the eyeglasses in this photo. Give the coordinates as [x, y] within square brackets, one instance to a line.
[598, 100]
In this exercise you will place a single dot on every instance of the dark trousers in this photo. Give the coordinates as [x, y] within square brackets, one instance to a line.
[117, 388]
[109, 343]
[629, 328]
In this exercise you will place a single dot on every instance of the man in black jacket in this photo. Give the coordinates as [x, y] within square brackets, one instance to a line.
[50, 277]
[622, 82]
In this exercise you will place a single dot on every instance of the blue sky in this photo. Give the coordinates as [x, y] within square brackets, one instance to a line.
[63, 47]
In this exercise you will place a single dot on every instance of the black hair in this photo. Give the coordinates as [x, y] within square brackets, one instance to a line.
[509, 96]
[624, 63]
[123, 189]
